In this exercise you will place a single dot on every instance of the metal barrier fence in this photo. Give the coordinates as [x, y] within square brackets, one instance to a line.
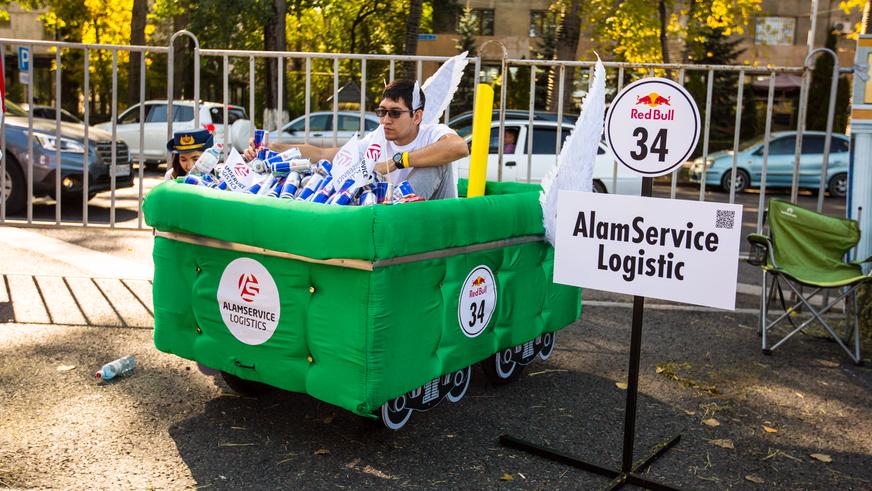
[107, 163]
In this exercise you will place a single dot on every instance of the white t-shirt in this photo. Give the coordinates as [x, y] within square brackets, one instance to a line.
[427, 182]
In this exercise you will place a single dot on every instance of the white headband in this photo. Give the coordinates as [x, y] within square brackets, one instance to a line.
[416, 96]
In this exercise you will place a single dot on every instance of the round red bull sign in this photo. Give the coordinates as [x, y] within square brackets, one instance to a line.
[478, 298]
[249, 301]
[652, 126]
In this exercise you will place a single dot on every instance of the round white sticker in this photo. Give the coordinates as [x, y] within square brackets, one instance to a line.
[652, 126]
[249, 301]
[478, 298]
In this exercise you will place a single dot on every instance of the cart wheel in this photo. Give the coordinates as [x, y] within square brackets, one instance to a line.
[394, 414]
[244, 387]
[547, 345]
[460, 379]
[500, 369]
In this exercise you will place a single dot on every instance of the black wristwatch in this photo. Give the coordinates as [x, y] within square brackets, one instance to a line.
[398, 160]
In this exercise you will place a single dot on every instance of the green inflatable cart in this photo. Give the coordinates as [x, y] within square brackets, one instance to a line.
[381, 310]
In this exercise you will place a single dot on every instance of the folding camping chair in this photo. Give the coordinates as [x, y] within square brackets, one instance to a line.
[807, 249]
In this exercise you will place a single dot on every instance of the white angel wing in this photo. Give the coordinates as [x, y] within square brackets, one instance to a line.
[440, 87]
[574, 169]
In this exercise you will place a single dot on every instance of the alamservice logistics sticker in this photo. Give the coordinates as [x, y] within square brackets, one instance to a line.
[249, 301]
[478, 298]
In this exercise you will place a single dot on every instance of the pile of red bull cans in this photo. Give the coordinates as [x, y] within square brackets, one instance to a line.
[286, 175]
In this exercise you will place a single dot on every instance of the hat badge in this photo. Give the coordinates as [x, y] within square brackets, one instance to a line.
[186, 140]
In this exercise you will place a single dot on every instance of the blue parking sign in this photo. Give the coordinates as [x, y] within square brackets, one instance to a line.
[23, 58]
[24, 65]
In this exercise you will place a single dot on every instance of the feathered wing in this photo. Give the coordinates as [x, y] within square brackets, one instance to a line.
[574, 169]
[440, 87]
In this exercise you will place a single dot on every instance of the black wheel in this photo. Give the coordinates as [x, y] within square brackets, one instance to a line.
[838, 185]
[15, 190]
[461, 383]
[152, 165]
[244, 387]
[394, 414]
[599, 187]
[743, 180]
[500, 369]
[548, 340]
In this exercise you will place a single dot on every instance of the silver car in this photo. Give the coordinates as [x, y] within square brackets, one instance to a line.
[321, 128]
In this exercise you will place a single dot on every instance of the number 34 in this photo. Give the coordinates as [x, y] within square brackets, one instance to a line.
[658, 146]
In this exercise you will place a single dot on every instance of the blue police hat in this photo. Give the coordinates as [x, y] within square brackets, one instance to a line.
[190, 141]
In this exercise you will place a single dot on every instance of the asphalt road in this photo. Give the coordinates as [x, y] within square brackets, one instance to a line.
[747, 420]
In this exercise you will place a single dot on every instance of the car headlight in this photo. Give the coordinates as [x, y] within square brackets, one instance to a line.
[51, 143]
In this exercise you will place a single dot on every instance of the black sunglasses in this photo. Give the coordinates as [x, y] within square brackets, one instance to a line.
[393, 113]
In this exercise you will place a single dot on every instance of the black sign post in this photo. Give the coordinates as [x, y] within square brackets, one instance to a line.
[629, 471]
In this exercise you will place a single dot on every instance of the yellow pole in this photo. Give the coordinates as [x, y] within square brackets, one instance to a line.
[481, 127]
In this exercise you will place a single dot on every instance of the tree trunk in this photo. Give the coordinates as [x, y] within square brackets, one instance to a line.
[567, 49]
[685, 56]
[413, 22]
[664, 45]
[137, 37]
[864, 24]
[183, 76]
[275, 39]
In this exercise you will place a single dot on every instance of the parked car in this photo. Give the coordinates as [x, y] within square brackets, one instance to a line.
[155, 126]
[544, 158]
[321, 128]
[48, 112]
[462, 123]
[73, 148]
[779, 169]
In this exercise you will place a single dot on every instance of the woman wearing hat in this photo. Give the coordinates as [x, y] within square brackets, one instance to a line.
[186, 147]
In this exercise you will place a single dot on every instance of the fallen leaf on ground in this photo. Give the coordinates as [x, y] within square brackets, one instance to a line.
[690, 413]
[506, 477]
[621, 385]
[329, 419]
[659, 369]
[722, 443]
[768, 429]
[322, 451]
[822, 457]
[799, 395]
[65, 368]
[755, 478]
[711, 422]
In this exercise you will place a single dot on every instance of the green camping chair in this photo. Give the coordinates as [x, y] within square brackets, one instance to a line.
[807, 249]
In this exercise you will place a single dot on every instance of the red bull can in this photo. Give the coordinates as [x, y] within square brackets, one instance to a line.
[276, 188]
[195, 180]
[265, 183]
[311, 186]
[402, 190]
[380, 189]
[344, 198]
[324, 194]
[325, 165]
[261, 139]
[290, 186]
[367, 197]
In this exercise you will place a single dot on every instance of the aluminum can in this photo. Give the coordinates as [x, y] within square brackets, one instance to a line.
[290, 186]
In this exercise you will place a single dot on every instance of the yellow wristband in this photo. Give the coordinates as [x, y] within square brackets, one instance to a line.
[406, 160]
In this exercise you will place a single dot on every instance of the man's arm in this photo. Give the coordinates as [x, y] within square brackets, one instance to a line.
[442, 152]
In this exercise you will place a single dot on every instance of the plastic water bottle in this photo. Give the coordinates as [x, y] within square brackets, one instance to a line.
[208, 160]
[121, 366]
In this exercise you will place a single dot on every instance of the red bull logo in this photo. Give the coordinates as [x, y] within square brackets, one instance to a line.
[248, 287]
[479, 287]
[653, 101]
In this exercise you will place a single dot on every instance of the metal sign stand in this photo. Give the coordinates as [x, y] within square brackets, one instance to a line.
[629, 472]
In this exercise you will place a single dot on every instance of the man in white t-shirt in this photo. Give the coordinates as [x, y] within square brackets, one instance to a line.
[427, 150]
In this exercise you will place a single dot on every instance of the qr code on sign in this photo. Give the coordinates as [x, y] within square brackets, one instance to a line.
[724, 219]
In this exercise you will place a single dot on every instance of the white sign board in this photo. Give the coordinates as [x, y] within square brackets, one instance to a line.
[685, 251]
[652, 126]
[24, 65]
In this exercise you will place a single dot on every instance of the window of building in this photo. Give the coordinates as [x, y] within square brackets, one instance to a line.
[483, 20]
[775, 30]
[537, 22]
